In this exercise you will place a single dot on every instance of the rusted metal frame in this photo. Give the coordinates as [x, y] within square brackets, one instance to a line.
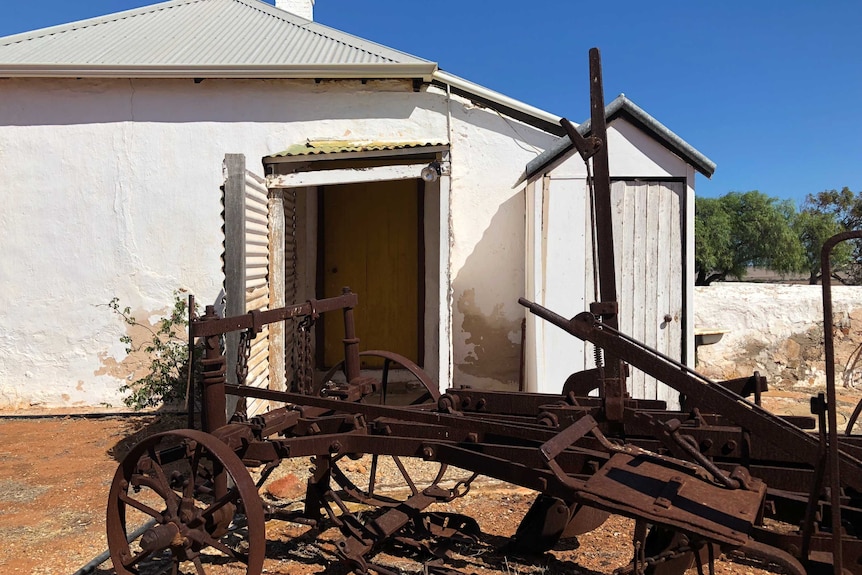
[821, 548]
[356, 442]
[721, 441]
[818, 406]
[708, 394]
[214, 375]
[362, 538]
[520, 403]
[191, 396]
[795, 505]
[646, 487]
[351, 342]
[796, 478]
[835, 467]
[502, 468]
[328, 424]
[774, 555]
[401, 428]
[255, 320]
[612, 374]
[579, 462]
[420, 415]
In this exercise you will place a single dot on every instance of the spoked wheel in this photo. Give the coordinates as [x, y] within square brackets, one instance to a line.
[200, 502]
[387, 480]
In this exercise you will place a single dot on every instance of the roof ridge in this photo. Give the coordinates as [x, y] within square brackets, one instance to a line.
[321, 31]
[97, 21]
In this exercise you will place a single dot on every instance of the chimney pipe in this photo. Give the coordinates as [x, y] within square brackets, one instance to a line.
[301, 8]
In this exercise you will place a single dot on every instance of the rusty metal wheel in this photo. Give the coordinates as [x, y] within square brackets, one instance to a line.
[203, 505]
[402, 382]
[386, 480]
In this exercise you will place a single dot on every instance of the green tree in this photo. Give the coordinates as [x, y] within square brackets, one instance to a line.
[712, 240]
[814, 228]
[739, 230]
[823, 215]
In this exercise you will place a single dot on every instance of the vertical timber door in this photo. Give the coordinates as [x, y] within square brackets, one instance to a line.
[370, 236]
[650, 270]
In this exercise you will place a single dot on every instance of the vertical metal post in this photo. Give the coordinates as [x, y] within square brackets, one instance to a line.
[351, 343]
[829, 345]
[190, 365]
[612, 378]
[214, 377]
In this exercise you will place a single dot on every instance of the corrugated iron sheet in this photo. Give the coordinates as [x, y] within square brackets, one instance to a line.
[196, 33]
[312, 147]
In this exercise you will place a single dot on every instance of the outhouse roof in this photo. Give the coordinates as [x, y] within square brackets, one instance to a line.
[622, 107]
[203, 38]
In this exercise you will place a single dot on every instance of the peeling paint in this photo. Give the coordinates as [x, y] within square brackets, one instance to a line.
[493, 341]
[135, 365]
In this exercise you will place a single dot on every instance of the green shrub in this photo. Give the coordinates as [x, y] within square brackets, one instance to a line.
[167, 357]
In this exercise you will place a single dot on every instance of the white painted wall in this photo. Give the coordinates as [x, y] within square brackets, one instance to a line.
[111, 188]
[487, 249]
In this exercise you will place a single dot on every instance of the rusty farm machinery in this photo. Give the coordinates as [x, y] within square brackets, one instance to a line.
[722, 474]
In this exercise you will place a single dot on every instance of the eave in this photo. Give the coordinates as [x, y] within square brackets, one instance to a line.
[423, 71]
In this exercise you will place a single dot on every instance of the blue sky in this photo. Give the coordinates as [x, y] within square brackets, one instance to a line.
[769, 90]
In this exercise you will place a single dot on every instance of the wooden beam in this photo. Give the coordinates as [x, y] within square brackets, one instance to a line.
[346, 176]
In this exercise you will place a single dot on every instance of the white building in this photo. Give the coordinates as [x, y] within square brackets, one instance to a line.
[119, 134]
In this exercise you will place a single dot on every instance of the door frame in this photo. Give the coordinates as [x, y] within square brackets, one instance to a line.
[307, 171]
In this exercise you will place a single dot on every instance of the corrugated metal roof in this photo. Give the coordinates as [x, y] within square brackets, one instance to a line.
[313, 147]
[201, 34]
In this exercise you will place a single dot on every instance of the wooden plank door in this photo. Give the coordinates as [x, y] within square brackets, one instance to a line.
[648, 238]
[371, 242]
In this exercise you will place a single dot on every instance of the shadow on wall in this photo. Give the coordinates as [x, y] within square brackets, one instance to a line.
[487, 316]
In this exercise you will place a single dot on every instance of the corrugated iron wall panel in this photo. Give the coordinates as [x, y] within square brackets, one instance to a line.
[257, 296]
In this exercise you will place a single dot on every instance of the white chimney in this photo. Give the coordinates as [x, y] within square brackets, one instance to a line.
[301, 8]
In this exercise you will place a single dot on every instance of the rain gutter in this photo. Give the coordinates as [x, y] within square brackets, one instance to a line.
[513, 108]
[424, 71]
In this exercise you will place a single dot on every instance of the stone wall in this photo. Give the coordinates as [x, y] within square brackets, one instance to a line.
[778, 331]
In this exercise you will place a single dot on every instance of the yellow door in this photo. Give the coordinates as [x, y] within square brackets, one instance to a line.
[371, 241]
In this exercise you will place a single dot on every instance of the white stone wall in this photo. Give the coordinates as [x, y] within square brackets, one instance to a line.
[111, 188]
[778, 330]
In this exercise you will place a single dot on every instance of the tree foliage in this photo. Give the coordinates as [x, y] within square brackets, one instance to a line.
[739, 230]
[823, 215]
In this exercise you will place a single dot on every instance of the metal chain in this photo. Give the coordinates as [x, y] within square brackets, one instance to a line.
[304, 370]
[243, 351]
[667, 555]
